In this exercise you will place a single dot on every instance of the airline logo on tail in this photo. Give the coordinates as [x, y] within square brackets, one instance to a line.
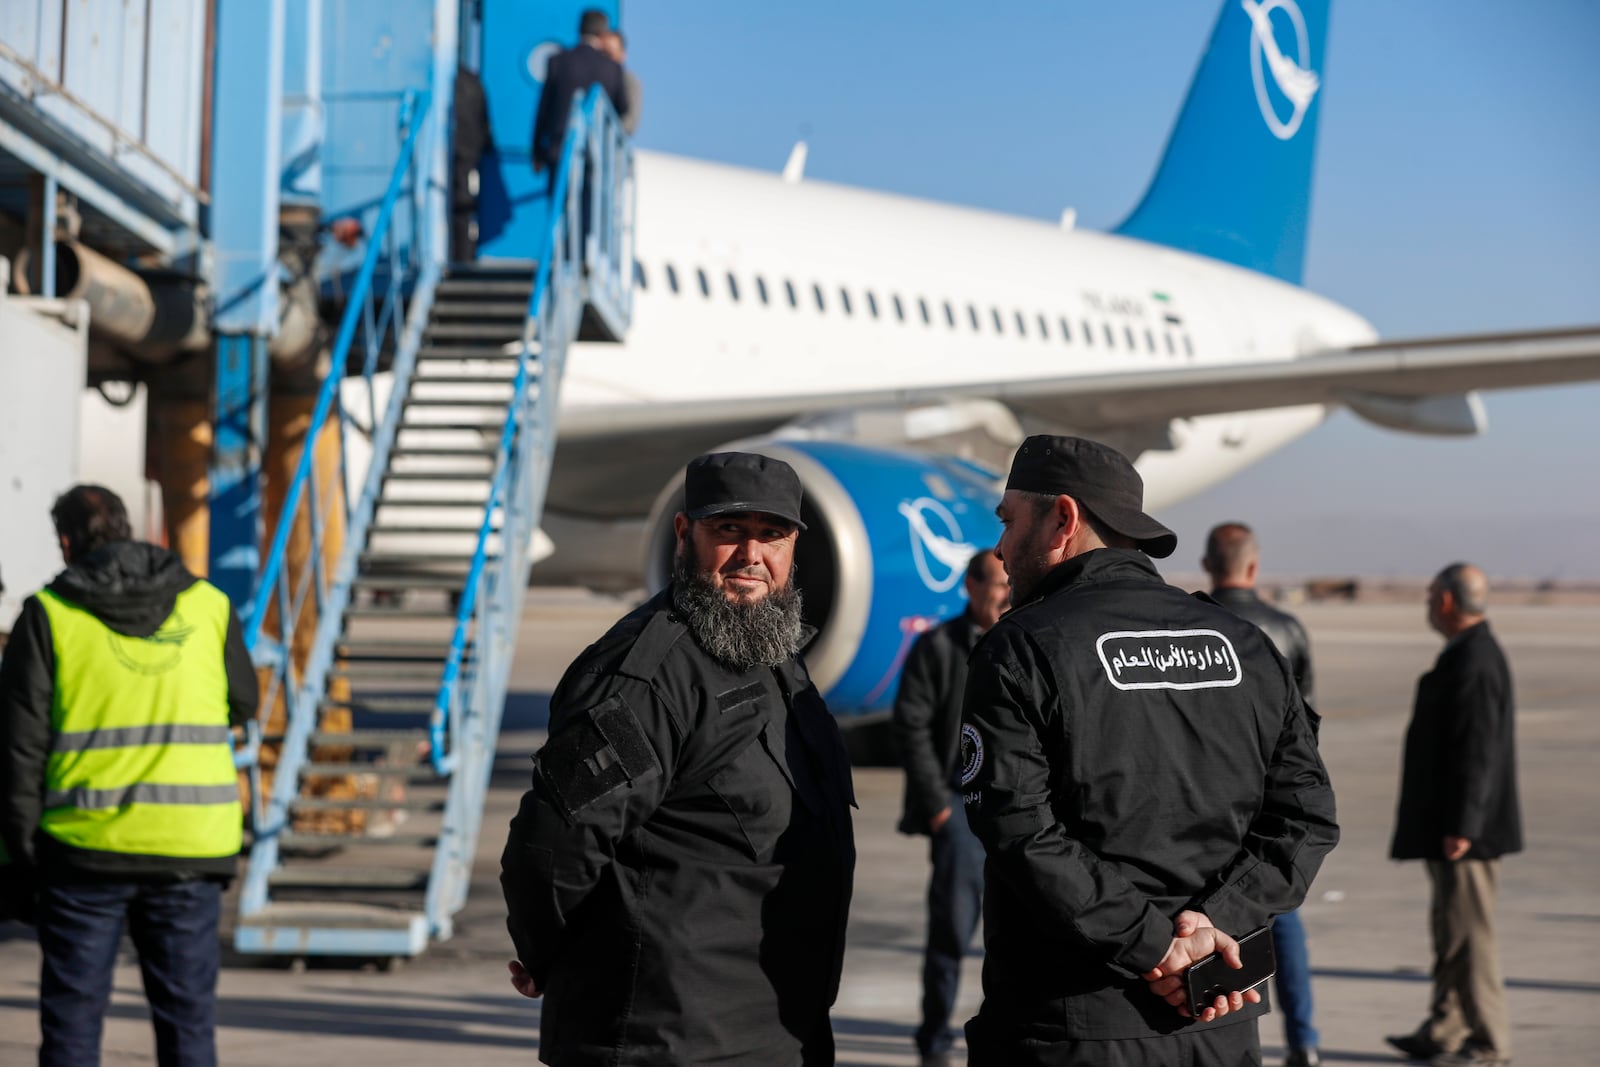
[1296, 82]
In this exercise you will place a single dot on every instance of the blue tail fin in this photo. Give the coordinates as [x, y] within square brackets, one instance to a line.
[1235, 181]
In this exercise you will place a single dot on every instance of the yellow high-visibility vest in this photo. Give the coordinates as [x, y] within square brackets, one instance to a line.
[141, 759]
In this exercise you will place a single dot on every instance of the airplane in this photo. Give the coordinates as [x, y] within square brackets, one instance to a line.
[896, 350]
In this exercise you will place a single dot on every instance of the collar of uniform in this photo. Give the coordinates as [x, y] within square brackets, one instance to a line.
[1096, 565]
[1468, 634]
[1234, 594]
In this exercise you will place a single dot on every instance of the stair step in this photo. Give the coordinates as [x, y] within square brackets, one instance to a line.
[492, 420]
[432, 559]
[408, 582]
[484, 309]
[464, 290]
[440, 452]
[359, 738]
[497, 403]
[473, 331]
[347, 878]
[370, 804]
[452, 474]
[491, 351]
[385, 704]
[378, 611]
[462, 379]
[419, 773]
[299, 839]
[430, 502]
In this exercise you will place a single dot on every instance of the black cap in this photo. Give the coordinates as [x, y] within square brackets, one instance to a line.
[1096, 476]
[725, 482]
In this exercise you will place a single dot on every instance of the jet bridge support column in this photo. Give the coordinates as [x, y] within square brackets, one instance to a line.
[246, 172]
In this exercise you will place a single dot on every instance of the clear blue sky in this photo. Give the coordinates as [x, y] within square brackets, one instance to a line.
[1456, 187]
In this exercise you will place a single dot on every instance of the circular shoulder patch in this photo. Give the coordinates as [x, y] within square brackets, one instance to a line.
[971, 753]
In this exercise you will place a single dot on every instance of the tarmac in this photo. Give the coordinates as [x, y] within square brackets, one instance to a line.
[1366, 916]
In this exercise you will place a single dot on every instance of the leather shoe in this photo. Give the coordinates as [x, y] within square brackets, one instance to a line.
[1302, 1057]
[1414, 1046]
[1469, 1056]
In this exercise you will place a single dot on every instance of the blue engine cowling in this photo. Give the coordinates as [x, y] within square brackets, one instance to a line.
[888, 536]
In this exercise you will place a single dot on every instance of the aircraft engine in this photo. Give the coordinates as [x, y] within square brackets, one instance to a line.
[888, 535]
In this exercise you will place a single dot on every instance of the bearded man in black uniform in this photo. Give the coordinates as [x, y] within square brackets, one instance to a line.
[679, 876]
[1142, 773]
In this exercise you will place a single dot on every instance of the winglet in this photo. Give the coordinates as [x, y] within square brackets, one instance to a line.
[795, 168]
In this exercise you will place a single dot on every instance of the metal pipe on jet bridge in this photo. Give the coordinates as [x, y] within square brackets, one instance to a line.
[156, 319]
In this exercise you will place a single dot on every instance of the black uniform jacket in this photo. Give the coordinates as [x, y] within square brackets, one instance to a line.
[1460, 772]
[927, 719]
[1281, 628]
[132, 588]
[568, 74]
[679, 876]
[1134, 752]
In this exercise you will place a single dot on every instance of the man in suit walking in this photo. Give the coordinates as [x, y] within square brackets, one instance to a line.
[568, 74]
[1458, 811]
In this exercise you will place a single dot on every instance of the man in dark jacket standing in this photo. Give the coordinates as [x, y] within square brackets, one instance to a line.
[678, 878]
[1459, 812]
[1233, 560]
[927, 733]
[119, 686]
[1142, 774]
[566, 75]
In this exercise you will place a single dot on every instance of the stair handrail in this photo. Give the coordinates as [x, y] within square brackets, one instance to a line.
[355, 309]
[406, 302]
[595, 122]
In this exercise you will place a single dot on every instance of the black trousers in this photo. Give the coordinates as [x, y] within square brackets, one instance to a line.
[989, 1045]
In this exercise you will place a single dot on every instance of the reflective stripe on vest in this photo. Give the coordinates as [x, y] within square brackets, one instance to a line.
[140, 760]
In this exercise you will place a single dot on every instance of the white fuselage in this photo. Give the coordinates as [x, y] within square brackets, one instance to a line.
[1006, 298]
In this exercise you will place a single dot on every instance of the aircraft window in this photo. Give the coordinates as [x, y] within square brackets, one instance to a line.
[927, 320]
[1022, 325]
[638, 275]
[1088, 333]
[899, 308]
[872, 304]
[950, 314]
[816, 290]
[1044, 327]
[672, 278]
[705, 283]
[972, 315]
[1111, 338]
[733, 287]
[761, 288]
[1066, 330]
[1127, 331]
[794, 301]
[1171, 351]
[1188, 346]
[844, 299]
[999, 324]
[1149, 340]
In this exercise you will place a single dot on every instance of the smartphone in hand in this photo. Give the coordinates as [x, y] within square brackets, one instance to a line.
[1210, 978]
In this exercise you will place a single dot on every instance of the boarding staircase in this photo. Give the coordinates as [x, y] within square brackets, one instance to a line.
[363, 841]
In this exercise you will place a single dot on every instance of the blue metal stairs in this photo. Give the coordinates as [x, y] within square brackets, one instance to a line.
[364, 842]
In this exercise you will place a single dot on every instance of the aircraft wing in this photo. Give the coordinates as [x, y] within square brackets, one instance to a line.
[1419, 384]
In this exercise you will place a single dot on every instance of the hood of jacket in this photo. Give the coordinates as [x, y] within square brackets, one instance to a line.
[130, 586]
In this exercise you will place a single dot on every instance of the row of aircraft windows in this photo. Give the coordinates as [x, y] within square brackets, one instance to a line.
[921, 308]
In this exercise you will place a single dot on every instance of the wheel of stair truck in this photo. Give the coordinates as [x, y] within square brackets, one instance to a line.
[888, 535]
